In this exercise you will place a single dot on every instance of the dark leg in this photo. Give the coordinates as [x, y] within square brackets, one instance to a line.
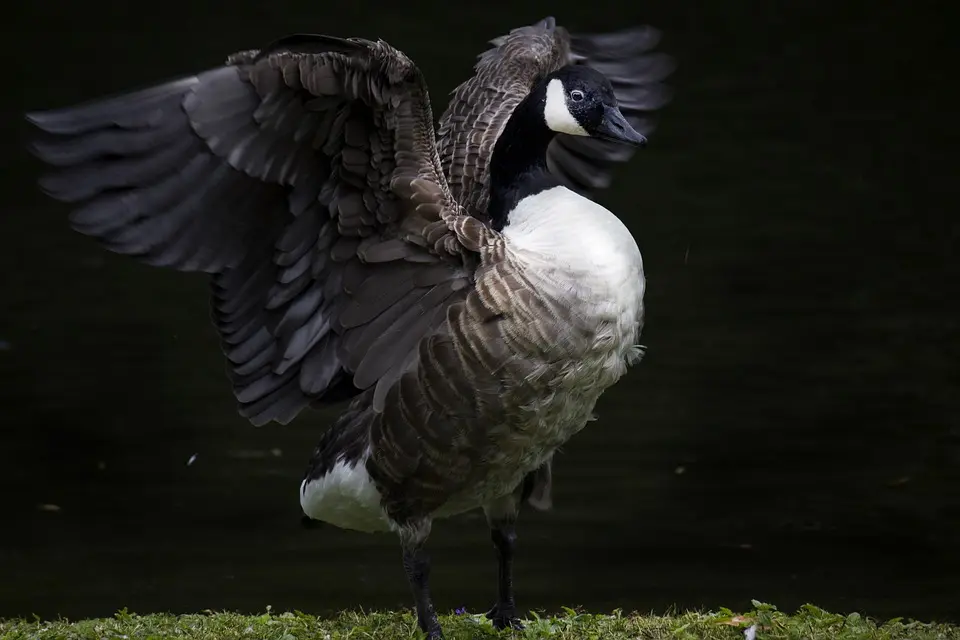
[416, 564]
[502, 519]
[504, 613]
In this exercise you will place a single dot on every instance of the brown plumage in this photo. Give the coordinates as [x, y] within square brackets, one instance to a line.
[482, 104]
[350, 258]
[304, 178]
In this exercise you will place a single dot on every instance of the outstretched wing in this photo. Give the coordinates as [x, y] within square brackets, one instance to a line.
[305, 178]
[505, 74]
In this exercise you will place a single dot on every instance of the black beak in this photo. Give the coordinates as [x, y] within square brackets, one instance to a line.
[616, 128]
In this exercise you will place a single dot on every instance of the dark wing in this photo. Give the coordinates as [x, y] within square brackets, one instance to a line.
[305, 178]
[504, 76]
[481, 106]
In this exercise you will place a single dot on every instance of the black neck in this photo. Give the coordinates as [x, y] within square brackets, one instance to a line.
[518, 167]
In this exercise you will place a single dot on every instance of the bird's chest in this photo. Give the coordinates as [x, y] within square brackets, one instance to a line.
[580, 322]
[584, 272]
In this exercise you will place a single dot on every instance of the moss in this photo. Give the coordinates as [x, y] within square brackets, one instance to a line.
[809, 623]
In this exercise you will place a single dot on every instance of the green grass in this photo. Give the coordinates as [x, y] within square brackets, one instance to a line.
[809, 623]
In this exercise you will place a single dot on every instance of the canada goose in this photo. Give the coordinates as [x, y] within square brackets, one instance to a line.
[471, 305]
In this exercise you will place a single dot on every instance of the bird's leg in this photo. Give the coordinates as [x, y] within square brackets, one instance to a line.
[504, 613]
[502, 517]
[416, 564]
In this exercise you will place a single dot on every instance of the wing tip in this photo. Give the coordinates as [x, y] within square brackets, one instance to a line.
[43, 183]
[36, 149]
[47, 119]
[59, 122]
[104, 111]
[549, 23]
[634, 39]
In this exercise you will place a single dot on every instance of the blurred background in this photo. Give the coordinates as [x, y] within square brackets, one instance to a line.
[792, 434]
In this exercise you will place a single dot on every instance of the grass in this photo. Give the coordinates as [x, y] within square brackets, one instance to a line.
[763, 623]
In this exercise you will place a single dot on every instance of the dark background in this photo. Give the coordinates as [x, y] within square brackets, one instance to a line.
[791, 436]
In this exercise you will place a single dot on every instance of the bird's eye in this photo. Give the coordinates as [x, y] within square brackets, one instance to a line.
[576, 95]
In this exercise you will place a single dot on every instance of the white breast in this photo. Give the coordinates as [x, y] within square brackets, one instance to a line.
[580, 249]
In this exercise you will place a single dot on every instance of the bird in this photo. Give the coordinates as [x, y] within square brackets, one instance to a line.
[457, 288]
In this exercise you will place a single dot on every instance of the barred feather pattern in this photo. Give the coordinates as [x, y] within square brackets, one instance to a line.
[513, 374]
[505, 74]
[305, 179]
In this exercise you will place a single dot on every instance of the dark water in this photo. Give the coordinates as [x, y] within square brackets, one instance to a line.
[791, 436]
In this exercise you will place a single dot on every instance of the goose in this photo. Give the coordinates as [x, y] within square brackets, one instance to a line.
[457, 289]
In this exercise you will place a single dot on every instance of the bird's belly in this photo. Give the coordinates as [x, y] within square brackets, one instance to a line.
[545, 416]
[572, 326]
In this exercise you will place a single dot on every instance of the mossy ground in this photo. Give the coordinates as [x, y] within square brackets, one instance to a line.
[764, 622]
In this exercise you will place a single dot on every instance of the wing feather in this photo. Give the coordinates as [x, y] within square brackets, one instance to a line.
[305, 179]
[505, 74]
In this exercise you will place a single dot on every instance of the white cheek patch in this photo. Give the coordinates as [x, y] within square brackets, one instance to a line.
[556, 113]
